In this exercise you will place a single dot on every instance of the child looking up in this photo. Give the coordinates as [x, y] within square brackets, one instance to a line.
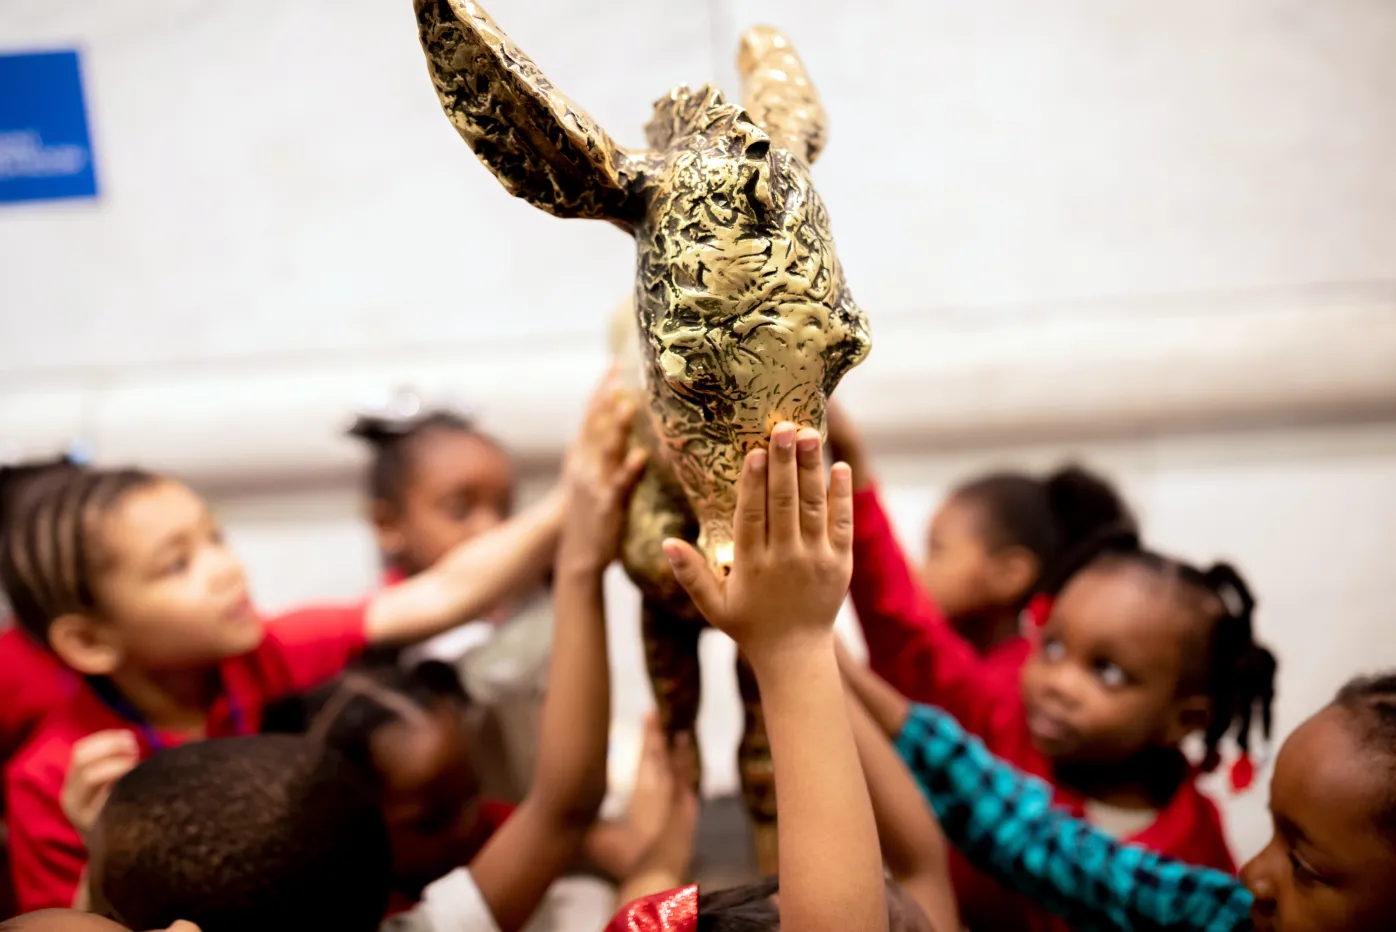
[1139, 652]
[407, 728]
[436, 481]
[994, 551]
[1327, 868]
[126, 577]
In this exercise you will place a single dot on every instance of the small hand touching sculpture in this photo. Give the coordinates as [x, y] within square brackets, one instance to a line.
[740, 317]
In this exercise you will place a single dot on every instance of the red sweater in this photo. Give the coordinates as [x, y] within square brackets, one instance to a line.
[912, 647]
[300, 650]
[32, 681]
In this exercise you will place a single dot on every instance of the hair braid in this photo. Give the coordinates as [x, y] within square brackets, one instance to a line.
[52, 543]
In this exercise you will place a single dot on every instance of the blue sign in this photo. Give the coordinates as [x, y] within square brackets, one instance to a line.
[45, 150]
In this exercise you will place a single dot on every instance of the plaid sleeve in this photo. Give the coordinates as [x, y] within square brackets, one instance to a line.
[1003, 821]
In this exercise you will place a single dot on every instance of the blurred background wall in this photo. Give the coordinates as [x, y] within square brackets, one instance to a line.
[1160, 238]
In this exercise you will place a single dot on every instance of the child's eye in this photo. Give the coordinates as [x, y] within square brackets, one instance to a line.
[175, 566]
[1111, 674]
[1053, 649]
[461, 507]
[1302, 872]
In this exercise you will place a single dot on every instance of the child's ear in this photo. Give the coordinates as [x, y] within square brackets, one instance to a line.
[1190, 714]
[1014, 570]
[85, 644]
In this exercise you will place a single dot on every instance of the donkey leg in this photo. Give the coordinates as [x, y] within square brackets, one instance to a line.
[757, 774]
[671, 658]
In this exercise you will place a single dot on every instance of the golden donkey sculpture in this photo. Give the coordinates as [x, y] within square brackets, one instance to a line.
[740, 317]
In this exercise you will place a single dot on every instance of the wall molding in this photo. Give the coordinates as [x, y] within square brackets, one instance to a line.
[930, 383]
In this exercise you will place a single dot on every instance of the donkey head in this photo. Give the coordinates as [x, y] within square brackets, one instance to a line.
[744, 318]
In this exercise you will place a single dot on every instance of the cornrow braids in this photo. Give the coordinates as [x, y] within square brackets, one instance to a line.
[345, 713]
[391, 438]
[53, 547]
[16, 479]
[1234, 671]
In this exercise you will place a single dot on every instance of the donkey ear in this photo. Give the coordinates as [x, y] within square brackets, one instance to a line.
[777, 92]
[539, 145]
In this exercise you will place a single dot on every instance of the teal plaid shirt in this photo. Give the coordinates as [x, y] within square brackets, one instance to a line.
[1003, 821]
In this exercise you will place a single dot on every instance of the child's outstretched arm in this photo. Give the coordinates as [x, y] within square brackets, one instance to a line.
[545, 834]
[665, 864]
[792, 561]
[471, 579]
[912, 843]
[910, 643]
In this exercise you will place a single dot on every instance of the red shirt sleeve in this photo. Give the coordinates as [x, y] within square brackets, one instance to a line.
[32, 681]
[47, 856]
[910, 644]
[316, 644]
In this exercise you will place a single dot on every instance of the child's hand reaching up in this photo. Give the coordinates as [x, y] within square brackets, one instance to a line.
[793, 554]
[665, 864]
[598, 475]
[792, 561]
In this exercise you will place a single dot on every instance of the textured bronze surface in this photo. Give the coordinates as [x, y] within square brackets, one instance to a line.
[740, 318]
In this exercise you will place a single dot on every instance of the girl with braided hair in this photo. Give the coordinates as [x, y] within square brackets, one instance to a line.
[1136, 653]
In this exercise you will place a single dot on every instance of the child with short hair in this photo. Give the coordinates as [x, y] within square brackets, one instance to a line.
[268, 833]
[1327, 868]
[406, 728]
[1138, 652]
[127, 579]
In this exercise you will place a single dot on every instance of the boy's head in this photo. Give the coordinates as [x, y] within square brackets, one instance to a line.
[407, 729]
[267, 833]
[756, 908]
[996, 538]
[435, 482]
[112, 568]
[71, 920]
[1330, 864]
[1139, 652]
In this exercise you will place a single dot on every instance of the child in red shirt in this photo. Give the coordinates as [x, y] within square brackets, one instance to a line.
[1138, 652]
[991, 551]
[126, 577]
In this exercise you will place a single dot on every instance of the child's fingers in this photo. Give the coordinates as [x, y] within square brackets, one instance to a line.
[617, 433]
[113, 743]
[683, 759]
[630, 471]
[692, 572]
[653, 745]
[809, 455]
[749, 523]
[841, 509]
[100, 775]
[782, 488]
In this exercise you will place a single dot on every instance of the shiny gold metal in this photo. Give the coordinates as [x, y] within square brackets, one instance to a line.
[740, 316]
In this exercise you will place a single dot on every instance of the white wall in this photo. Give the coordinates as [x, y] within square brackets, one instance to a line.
[1105, 228]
